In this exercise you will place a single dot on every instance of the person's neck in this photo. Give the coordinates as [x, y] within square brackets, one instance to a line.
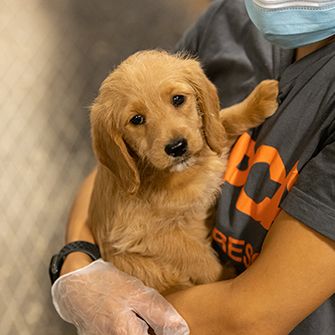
[308, 49]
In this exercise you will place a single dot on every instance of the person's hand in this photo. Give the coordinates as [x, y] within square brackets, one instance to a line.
[101, 300]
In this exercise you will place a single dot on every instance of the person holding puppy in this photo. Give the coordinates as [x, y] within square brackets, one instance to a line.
[275, 219]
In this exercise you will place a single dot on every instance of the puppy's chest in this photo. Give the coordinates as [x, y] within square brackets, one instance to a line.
[155, 216]
[149, 215]
[141, 225]
[181, 201]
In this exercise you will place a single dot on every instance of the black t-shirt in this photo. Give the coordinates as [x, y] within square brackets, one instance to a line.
[286, 163]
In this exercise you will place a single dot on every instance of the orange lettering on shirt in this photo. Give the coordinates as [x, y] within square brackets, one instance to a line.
[265, 211]
[238, 250]
[235, 249]
[220, 238]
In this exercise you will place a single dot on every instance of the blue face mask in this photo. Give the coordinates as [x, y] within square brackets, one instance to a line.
[292, 24]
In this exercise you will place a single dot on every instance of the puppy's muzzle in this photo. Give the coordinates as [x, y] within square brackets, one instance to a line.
[177, 147]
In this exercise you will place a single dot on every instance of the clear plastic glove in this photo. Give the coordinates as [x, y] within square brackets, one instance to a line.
[99, 299]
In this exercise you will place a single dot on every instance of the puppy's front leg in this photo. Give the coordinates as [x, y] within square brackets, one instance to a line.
[252, 111]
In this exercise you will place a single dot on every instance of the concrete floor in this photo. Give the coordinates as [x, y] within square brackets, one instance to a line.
[54, 54]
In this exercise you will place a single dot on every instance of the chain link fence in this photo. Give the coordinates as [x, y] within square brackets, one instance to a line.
[54, 55]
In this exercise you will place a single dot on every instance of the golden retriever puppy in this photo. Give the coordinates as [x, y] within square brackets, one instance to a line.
[162, 147]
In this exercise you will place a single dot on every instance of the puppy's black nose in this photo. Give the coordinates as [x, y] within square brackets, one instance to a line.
[177, 147]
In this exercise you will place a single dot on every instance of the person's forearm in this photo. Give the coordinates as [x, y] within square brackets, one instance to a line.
[292, 276]
[216, 309]
[203, 311]
[77, 229]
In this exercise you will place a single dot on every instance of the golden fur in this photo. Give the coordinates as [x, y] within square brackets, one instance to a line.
[149, 209]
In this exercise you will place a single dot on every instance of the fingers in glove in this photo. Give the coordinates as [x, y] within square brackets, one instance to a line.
[160, 314]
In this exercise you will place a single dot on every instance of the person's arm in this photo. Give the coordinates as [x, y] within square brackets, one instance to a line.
[77, 230]
[293, 275]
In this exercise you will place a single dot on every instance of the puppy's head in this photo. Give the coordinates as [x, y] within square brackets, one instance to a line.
[156, 109]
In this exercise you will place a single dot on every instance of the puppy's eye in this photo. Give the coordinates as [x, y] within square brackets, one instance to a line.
[137, 120]
[178, 100]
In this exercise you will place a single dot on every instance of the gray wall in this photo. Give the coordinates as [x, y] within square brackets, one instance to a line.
[54, 54]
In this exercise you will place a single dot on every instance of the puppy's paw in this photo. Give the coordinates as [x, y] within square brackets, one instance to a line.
[265, 98]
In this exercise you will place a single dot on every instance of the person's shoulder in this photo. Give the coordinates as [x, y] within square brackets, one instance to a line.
[223, 12]
[225, 8]
[327, 73]
[221, 17]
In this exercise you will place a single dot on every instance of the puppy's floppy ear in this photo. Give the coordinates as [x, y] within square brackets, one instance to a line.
[111, 150]
[209, 105]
